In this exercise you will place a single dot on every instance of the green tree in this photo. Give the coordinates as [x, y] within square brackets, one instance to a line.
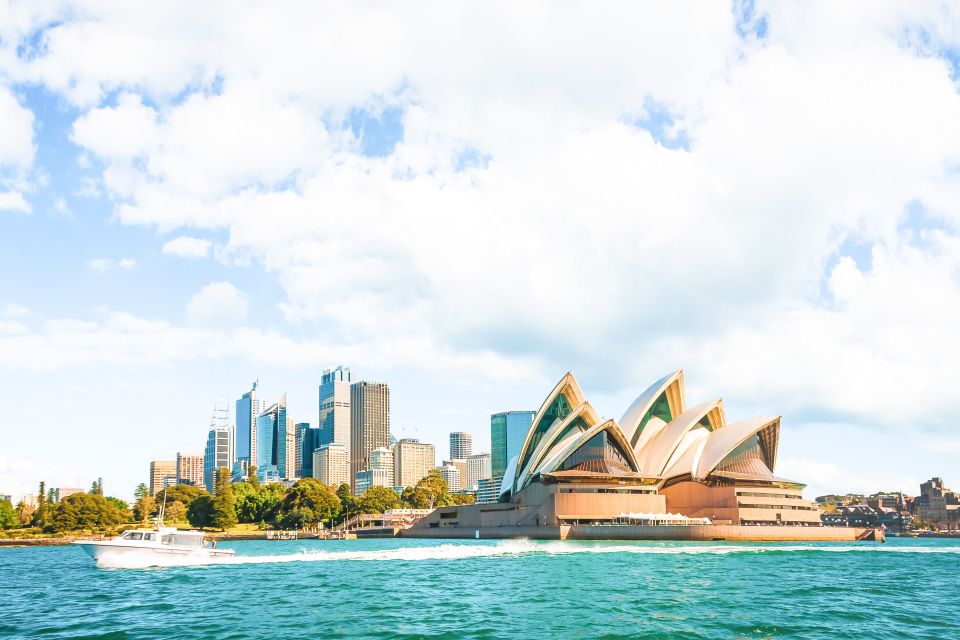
[83, 511]
[97, 487]
[39, 516]
[261, 506]
[224, 513]
[141, 490]
[8, 517]
[185, 493]
[431, 491]
[175, 512]
[144, 507]
[121, 506]
[252, 476]
[309, 501]
[348, 503]
[200, 511]
[24, 513]
[378, 500]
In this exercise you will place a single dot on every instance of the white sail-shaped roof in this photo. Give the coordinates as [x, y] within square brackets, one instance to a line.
[721, 443]
[564, 398]
[658, 452]
[633, 421]
[562, 432]
[561, 454]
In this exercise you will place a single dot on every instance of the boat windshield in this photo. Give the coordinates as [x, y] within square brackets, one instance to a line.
[133, 535]
[186, 540]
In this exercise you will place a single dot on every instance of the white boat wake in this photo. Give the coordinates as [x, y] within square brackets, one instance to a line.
[506, 548]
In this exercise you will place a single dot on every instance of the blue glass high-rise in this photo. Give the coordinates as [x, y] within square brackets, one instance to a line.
[507, 431]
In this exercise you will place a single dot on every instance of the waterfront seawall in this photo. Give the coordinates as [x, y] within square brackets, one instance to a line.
[627, 532]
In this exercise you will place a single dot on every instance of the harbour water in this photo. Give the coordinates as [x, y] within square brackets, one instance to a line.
[907, 588]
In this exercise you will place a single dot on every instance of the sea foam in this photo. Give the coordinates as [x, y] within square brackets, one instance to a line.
[504, 548]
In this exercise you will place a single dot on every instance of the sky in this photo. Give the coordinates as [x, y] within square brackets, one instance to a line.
[467, 200]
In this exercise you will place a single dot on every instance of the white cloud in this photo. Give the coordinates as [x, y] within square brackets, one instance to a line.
[824, 478]
[583, 240]
[187, 247]
[14, 310]
[61, 207]
[217, 304]
[14, 201]
[17, 476]
[103, 265]
[123, 132]
[16, 141]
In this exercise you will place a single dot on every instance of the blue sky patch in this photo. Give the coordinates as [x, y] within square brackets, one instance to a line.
[377, 132]
[662, 125]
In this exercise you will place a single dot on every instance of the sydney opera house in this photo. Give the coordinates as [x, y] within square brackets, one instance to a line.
[664, 463]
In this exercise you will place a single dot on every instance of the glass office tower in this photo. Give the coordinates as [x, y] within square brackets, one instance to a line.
[507, 431]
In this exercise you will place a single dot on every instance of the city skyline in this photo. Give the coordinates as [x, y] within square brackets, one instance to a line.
[481, 436]
[765, 195]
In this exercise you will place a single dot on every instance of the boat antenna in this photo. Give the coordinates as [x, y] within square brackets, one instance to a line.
[163, 507]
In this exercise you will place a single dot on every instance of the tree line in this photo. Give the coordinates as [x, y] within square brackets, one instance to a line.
[306, 504]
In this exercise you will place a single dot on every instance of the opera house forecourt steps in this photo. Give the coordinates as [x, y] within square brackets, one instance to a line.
[665, 471]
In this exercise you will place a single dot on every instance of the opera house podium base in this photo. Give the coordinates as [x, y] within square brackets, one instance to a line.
[718, 532]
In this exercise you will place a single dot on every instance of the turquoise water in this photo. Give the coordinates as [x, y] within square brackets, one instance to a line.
[907, 588]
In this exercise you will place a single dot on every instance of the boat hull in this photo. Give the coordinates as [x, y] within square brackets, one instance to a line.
[119, 555]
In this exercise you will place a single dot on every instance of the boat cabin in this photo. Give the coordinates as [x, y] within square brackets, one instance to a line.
[169, 536]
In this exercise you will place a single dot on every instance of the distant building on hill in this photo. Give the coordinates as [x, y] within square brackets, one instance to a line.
[382, 460]
[937, 504]
[247, 408]
[306, 444]
[371, 478]
[451, 474]
[62, 492]
[190, 469]
[334, 416]
[217, 455]
[478, 467]
[507, 433]
[369, 422]
[461, 445]
[331, 464]
[163, 473]
[413, 460]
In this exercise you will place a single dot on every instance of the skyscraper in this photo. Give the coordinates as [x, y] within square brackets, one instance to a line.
[381, 459]
[266, 439]
[247, 410]
[412, 461]
[161, 472]
[218, 454]
[306, 443]
[334, 422]
[507, 431]
[451, 474]
[190, 469]
[461, 466]
[478, 468]
[461, 445]
[285, 442]
[369, 422]
[331, 464]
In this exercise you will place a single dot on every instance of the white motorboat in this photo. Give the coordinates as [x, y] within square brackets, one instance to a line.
[157, 546]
